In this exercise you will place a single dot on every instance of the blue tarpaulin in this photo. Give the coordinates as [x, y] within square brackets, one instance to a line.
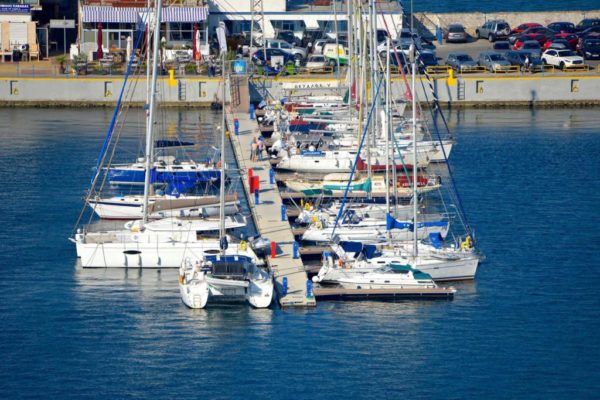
[392, 223]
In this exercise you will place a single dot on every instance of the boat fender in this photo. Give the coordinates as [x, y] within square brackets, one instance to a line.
[318, 225]
[181, 279]
[135, 229]
[243, 245]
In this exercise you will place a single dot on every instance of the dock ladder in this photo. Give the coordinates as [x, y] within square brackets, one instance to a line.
[181, 90]
[460, 90]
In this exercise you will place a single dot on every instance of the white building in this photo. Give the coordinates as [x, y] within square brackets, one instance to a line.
[297, 16]
[17, 30]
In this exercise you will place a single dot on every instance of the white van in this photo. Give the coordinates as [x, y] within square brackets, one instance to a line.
[329, 51]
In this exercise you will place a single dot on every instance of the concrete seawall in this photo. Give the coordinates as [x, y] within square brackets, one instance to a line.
[481, 90]
[478, 90]
[104, 91]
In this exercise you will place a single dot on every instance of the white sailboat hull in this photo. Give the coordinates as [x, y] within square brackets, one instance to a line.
[368, 234]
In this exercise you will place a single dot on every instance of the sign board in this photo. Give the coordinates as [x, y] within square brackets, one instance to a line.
[311, 85]
[222, 38]
[239, 67]
[62, 23]
[15, 8]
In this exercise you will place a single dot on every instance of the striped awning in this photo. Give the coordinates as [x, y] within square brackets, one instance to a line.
[133, 14]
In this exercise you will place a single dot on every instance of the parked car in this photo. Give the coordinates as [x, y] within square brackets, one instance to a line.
[320, 43]
[259, 55]
[589, 31]
[297, 52]
[426, 59]
[590, 50]
[532, 46]
[539, 29]
[517, 57]
[341, 54]
[587, 23]
[523, 27]
[538, 37]
[558, 27]
[561, 58]
[493, 30]
[558, 44]
[461, 62]
[571, 38]
[289, 37]
[492, 61]
[316, 63]
[501, 46]
[456, 34]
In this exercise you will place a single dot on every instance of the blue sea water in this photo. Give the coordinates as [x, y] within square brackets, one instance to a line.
[527, 328]
[487, 6]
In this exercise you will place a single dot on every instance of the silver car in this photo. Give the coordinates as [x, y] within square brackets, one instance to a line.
[456, 33]
[493, 62]
[461, 62]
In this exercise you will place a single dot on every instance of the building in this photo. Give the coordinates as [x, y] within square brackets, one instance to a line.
[18, 30]
[296, 15]
[120, 19]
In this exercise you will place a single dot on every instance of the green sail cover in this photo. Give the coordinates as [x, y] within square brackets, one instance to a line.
[359, 187]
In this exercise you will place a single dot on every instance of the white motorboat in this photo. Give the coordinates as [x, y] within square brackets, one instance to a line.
[231, 278]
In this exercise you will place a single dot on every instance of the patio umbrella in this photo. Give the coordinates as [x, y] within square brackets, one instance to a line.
[99, 53]
[195, 43]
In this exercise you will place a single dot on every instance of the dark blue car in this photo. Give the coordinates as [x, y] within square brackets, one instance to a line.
[259, 55]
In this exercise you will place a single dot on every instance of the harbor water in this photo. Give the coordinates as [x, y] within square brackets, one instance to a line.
[529, 181]
[489, 6]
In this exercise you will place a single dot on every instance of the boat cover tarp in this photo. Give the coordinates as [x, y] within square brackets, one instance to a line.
[392, 223]
[171, 143]
[369, 250]
[436, 240]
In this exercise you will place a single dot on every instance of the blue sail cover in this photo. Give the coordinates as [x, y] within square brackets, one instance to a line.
[369, 250]
[392, 223]
[436, 240]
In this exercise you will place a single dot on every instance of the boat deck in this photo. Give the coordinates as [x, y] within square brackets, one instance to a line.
[337, 293]
[267, 216]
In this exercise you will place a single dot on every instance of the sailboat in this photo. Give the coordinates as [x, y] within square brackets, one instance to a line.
[164, 243]
[229, 275]
[441, 264]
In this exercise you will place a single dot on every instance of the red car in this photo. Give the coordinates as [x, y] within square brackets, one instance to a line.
[569, 37]
[541, 39]
[556, 43]
[525, 26]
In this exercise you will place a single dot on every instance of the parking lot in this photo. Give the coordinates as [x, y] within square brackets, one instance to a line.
[474, 47]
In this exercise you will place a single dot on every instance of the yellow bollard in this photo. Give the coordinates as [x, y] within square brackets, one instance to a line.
[172, 80]
[451, 79]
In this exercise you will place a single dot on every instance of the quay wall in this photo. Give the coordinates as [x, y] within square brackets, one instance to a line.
[475, 91]
[463, 91]
[473, 20]
[104, 91]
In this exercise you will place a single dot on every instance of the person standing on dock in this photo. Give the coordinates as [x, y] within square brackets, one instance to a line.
[253, 150]
[261, 147]
[526, 64]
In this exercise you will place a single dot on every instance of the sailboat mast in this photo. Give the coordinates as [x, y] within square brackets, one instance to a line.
[414, 140]
[151, 107]
[388, 122]
[222, 172]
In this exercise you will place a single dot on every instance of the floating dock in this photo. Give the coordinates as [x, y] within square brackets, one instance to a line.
[267, 216]
[336, 293]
